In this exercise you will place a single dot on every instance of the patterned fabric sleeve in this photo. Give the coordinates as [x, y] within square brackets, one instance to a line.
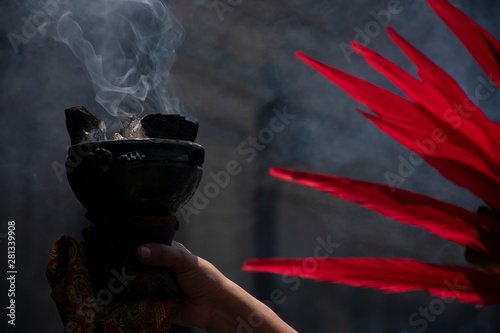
[82, 312]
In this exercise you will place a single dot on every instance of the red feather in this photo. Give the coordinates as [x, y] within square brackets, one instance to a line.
[442, 219]
[391, 275]
[412, 124]
[480, 43]
[448, 112]
[439, 79]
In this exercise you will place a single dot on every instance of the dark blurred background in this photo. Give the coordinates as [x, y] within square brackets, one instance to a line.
[236, 68]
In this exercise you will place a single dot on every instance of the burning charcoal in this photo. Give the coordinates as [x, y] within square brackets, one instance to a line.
[83, 126]
[161, 126]
[138, 131]
[169, 126]
[130, 128]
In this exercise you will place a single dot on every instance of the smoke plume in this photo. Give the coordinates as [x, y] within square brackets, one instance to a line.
[127, 47]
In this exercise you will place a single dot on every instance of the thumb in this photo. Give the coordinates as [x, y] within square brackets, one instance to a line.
[175, 257]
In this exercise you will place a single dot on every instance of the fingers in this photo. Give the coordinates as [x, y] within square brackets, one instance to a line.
[175, 257]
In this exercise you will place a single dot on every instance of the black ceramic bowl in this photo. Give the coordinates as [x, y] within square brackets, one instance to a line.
[136, 177]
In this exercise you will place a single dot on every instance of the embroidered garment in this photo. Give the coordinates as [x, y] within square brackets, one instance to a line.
[83, 312]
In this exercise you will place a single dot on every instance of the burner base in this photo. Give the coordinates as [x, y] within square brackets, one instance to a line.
[117, 274]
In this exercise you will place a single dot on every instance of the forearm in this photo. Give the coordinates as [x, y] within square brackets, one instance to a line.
[238, 311]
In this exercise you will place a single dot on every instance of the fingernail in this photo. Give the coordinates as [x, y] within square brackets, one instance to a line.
[145, 252]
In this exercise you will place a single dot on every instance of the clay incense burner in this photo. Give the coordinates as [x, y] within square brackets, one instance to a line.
[130, 187]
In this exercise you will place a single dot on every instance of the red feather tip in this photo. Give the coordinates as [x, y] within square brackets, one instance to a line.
[390, 275]
[480, 43]
[442, 219]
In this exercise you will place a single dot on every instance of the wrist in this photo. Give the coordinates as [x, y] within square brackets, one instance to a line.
[237, 311]
[226, 308]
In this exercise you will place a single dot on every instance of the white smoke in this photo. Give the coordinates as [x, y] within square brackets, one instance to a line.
[128, 48]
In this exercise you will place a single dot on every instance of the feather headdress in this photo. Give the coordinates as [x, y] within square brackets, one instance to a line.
[443, 125]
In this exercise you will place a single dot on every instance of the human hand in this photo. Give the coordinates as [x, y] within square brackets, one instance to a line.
[199, 280]
[209, 300]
